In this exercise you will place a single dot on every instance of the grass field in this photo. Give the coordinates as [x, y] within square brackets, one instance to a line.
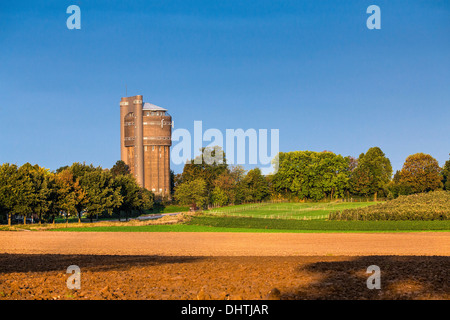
[206, 223]
[266, 217]
[168, 209]
[307, 210]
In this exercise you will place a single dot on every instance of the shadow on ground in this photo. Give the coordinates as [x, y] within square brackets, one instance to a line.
[10, 263]
[402, 277]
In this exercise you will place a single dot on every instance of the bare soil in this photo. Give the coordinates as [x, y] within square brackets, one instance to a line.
[227, 266]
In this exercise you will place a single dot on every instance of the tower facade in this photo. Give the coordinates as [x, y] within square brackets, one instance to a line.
[145, 140]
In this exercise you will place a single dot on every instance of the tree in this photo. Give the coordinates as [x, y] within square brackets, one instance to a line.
[102, 196]
[40, 179]
[446, 175]
[70, 196]
[220, 197]
[8, 185]
[254, 186]
[206, 167]
[224, 189]
[24, 192]
[192, 193]
[420, 173]
[120, 168]
[372, 174]
[311, 175]
[133, 196]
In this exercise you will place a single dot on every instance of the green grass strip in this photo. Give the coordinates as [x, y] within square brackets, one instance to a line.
[235, 224]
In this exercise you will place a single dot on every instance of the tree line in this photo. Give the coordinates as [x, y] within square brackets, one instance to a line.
[308, 175]
[321, 175]
[205, 182]
[31, 191]
[80, 189]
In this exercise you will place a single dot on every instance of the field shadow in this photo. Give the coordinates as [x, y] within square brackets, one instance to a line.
[13, 263]
[402, 277]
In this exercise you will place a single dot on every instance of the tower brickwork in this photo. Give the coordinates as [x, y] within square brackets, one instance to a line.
[146, 137]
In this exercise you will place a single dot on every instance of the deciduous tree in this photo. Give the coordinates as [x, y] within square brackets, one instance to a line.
[192, 193]
[421, 173]
[372, 174]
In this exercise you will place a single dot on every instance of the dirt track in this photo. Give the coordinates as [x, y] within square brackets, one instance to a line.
[226, 244]
[223, 266]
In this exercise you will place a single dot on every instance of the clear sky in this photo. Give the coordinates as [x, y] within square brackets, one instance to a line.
[309, 68]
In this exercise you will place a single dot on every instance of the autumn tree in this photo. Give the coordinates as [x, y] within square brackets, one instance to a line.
[70, 196]
[420, 173]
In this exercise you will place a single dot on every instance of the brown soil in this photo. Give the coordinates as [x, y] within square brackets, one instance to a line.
[29, 271]
[225, 244]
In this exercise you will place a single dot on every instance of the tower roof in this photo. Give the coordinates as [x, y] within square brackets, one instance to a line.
[152, 107]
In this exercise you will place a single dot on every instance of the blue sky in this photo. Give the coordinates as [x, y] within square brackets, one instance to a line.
[311, 69]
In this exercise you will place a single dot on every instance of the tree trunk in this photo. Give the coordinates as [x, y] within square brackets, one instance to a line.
[24, 219]
[375, 196]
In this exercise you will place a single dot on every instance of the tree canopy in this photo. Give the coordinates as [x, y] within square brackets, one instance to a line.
[311, 175]
[372, 173]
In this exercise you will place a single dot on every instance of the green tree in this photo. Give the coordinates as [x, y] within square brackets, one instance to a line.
[120, 168]
[8, 189]
[207, 166]
[101, 194]
[41, 193]
[311, 175]
[134, 198]
[254, 186]
[24, 191]
[192, 193]
[446, 175]
[220, 197]
[372, 174]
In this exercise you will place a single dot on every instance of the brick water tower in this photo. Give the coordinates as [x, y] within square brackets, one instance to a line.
[145, 140]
